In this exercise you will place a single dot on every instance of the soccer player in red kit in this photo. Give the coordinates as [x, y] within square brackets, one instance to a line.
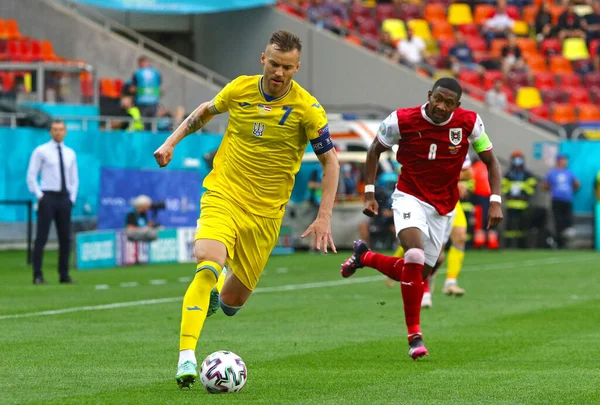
[433, 140]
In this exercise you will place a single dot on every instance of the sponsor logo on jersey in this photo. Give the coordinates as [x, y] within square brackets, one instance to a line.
[324, 130]
[316, 105]
[244, 104]
[455, 135]
[259, 129]
[454, 150]
[267, 108]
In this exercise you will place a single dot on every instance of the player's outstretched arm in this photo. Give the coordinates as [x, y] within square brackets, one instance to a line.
[196, 120]
[495, 179]
[373, 154]
[322, 225]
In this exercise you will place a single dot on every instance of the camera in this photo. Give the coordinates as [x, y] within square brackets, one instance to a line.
[160, 205]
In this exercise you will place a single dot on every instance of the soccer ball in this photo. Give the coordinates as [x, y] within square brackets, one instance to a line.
[222, 372]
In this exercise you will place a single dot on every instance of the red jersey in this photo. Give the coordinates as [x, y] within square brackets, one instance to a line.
[431, 155]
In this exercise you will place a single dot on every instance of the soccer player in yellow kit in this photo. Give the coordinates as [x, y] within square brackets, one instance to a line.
[271, 121]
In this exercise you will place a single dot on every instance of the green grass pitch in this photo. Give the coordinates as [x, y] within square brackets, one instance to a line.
[526, 332]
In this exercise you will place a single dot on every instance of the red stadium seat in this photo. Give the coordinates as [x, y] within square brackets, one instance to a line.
[578, 95]
[595, 94]
[445, 46]
[25, 50]
[442, 30]
[367, 26]
[527, 45]
[36, 50]
[551, 46]
[545, 80]
[385, 11]
[496, 47]
[592, 79]
[513, 12]
[594, 47]
[517, 79]
[410, 11]
[3, 33]
[470, 77]
[542, 111]
[537, 64]
[13, 49]
[469, 30]
[490, 76]
[570, 80]
[358, 10]
[118, 86]
[48, 52]
[510, 94]
[477, 44]
[553, 96]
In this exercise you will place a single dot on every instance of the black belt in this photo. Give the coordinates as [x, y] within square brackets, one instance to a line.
[56, 193]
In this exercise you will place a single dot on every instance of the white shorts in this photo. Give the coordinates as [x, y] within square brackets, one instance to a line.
[410, 212]
[449, 228]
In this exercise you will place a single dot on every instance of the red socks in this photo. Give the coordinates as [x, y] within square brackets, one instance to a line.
[411, 285]
[388, 265]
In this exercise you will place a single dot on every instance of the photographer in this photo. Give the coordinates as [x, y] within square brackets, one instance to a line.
[139, 227]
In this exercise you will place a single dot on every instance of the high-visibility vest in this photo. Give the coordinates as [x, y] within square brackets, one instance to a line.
[137, 124]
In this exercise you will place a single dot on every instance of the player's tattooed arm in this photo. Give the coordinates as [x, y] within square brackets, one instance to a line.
[200, 117]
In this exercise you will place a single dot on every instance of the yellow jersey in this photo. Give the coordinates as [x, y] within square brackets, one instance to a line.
[264, 143]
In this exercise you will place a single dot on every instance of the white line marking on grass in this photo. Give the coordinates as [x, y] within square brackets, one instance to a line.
[185, 279]
[130, 284]
[158, 282]
[102, 287]
[281, 270]
[295, 287]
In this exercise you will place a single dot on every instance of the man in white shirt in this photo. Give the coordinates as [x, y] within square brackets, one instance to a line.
[411, 49]
[57, 166]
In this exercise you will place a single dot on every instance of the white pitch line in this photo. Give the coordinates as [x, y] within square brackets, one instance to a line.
[102, 287]
[158, 282]
[185, 279]
[130, 284]
[295, 287]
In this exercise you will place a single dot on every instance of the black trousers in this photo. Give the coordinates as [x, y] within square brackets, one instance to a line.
[516, 230]
[563, 219]
[53, 207]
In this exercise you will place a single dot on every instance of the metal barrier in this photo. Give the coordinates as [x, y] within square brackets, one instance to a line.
[57, 74]
[110, 25]
[153, 123]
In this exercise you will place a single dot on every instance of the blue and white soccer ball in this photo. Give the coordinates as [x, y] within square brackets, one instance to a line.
[223, 372]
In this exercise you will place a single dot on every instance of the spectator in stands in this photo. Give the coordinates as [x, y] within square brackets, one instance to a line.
[461, 56]
[500, 25]
[326, 13]
[543, 23]
[348, 181]
[570, 25]
[495, 98]
[147, 82]
[57, 165]
[412, 52]
[511, 56]
[168, 120]
[592, 22]
[138, 226]
[129, 110]
[562, 185]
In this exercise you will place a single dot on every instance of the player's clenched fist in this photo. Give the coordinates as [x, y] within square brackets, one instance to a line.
[163, 155]
[372, 207]
[494, 214]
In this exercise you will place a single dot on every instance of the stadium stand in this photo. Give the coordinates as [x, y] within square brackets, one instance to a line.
[558, 59]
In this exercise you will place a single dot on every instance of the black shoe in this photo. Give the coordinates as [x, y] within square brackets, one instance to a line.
[39, 280]
[67, 280]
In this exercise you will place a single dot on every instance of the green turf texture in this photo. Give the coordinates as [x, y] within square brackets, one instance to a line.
[526, 332]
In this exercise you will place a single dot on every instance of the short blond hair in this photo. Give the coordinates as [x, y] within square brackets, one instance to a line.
[142, 200]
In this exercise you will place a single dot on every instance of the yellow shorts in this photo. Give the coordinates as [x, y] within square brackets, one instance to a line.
[249, 238]
[460, 219]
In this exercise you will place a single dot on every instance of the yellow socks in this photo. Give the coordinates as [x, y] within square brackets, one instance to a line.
[195, 304]
[221, 280]
[399, 252]
[455, 261]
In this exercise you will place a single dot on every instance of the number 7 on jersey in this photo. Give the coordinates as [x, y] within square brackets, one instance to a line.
[287, 110]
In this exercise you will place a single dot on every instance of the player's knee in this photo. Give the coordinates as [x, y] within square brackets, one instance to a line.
[204, 253]
[229, 308]
[459, 238]
[414, 256]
